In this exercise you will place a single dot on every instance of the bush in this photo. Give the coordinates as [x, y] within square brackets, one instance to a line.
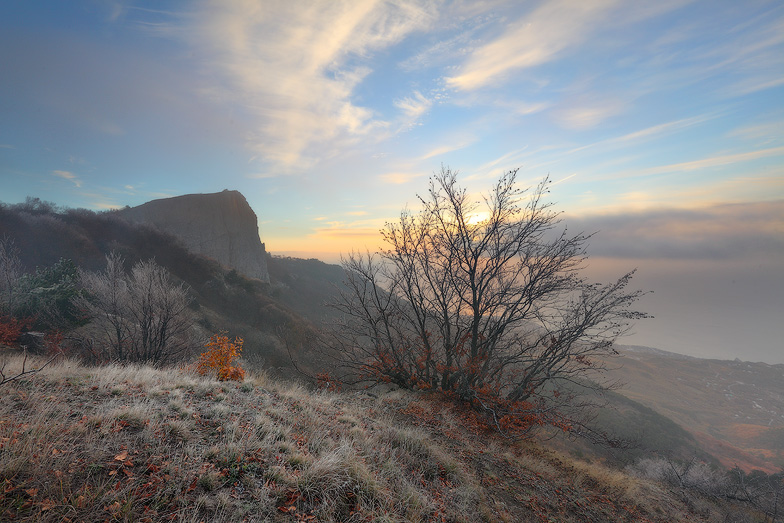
[485, 303]
[141, 316]
[11, 328]
[218, 358]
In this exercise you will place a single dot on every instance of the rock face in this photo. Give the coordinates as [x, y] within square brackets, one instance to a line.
[220, 225]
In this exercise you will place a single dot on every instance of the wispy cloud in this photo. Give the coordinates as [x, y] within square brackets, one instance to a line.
[649, 133]
[296, 67]
[585, 115]
[68, 175]
[765, 133]
[536, 39]
[413, 107]
[712, 161]
[444, 149]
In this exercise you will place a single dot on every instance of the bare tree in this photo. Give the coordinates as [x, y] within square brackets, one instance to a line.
[761, 491]
[107, 303]
[483, 300]
[141, 316]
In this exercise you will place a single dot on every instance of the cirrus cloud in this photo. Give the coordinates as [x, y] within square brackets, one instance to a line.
[295, 67]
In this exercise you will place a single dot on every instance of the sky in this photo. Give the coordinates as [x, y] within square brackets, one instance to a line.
[660, 124]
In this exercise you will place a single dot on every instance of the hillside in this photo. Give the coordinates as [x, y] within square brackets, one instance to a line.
[133, 443]
[222, 299]
[734, 409]
[293, 302]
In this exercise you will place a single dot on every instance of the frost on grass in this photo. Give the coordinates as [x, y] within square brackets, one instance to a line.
[134, 443]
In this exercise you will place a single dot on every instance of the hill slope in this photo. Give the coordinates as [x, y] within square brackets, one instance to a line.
[222, 299]
[125, 443]
[735, 409]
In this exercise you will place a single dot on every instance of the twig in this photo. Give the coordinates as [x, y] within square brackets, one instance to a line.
[24, 372]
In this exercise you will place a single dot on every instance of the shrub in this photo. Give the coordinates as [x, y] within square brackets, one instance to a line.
[11, 328]
[219, 356]
[141, 316]
[485, 303]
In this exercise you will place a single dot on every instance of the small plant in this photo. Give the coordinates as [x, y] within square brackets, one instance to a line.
[218, 358]
[325, 381]
[11, 328]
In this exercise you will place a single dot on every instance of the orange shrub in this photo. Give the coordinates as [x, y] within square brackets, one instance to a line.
[218, 358]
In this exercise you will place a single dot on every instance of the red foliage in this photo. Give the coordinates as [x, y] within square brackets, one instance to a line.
[11, 328]
[479, 403]
[325, 381]
[54, 343]
[219, 356]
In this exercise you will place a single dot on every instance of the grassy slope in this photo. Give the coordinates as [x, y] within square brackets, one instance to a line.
[132, 443]
[733, 408]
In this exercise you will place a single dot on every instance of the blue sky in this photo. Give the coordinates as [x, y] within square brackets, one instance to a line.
[661, 125]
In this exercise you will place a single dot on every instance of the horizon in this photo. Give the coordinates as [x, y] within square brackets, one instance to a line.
[661, 127]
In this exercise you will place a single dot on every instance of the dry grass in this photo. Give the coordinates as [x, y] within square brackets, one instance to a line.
[133, 443]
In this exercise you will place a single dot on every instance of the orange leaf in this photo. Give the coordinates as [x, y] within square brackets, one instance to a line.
[47, 504]
[122, 456]
[32, 492]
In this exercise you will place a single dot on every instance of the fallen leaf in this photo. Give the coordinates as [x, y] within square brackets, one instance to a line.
[32, 492]
[47, 504]
[122, 456]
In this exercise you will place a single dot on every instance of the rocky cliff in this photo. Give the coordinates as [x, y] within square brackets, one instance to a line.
[220, 225]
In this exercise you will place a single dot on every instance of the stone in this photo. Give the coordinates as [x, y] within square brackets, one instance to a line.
[221, 226]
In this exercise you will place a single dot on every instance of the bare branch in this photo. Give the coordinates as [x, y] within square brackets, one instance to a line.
[7, 378]
[479, 298]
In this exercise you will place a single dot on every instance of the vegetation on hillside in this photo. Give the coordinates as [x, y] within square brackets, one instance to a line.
[204, 440]
[734, 409]
[52, 245]
[486, 303]
[136, 443]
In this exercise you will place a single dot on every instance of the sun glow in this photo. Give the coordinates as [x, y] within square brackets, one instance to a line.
[478, 217]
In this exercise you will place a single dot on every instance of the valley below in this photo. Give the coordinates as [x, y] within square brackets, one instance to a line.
[735, 409]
